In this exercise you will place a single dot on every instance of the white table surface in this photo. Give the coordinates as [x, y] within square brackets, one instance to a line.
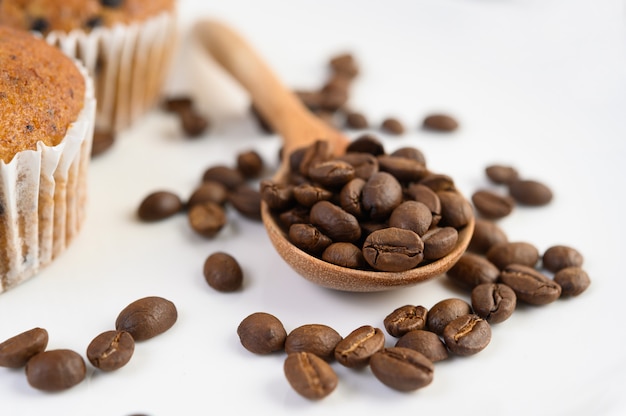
[540, 85]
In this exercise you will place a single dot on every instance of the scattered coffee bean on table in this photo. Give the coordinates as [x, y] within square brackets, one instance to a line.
[309, 375]
[440, 122]
[17, 350]
[486, 234]
[444, 312]
[317, 339]
[159, 205]
[426, 342]
[494, 302]
[530, 192]
[55, 370]
[207, 218]
[467, 335]
[402, 369]
[404, 319]
[530, 286]
[513, 252]
[356, 349]
[147, 317]
[392, 125]
[262, 333]
[492, 205]
[111, 350]
[472, 270]
[501, 174]
[572, 280]
[222, 272]
[559, 257]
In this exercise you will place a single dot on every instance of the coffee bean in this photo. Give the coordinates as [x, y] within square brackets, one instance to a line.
[472, 270]
[411, 215]
[307, 194]
[103, 140]
[364, 164]
[530, 286]
[17, 350]
[331, 173]
[231, 178]
[392, 125]
[467, 335]
[246, 201]
[559, 257]
[410, 153]
[393, 249]
[572, 280]
[355, 350]
[366, 143]
[444, 312]
[207, 218]
[159, 205]
[404, 319]
[530, 192]
[222, 272]
[350, 197]
[381, 194]
[345, 255]
[440, 122]
[492, 205]
[250, 164]
[111, 350]
[308, 238]
[277, 196]
[317, 339]
[494, 302]
[177, 103]
[356, 120]
[193, 124]
[486, 234]
[402, 369]
[402, 168]
[456, 211]
[147, 317]
[334, 222]
[425, 342]
[501, 174]
[55, 370]
[262, 333]
[309, 375]
[422, 193]
[439, 242]
[438, 182]
[518, 252]
[209, 191]
[344, 64]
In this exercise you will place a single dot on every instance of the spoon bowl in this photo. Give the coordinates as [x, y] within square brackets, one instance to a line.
[298, 128]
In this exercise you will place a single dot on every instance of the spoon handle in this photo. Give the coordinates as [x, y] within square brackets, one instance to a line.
[279, 106]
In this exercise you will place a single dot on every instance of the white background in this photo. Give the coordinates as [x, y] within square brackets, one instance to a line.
[538, 84]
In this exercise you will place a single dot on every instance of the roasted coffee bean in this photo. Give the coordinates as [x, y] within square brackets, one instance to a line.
[246, 201]
[530, 192]
[393, 249]
[559, 257]
[345, 255]
[486, 234]
[440, 122]
[231, 178]
[250, 164]
[439, 242]
[356, 120]
[472, 270]
[410, 153]
[209, 191]
[331, 173]
[177, 103]
[262, 333]
[492, 205]
[501, 174]
[530, 286]
[317, 339]
[334, 222]
[494, 302]
[425, 195]
[55, 370]
[403, 169]
[381, 194]
[404, 319]
[147, 317]
[392, 125]
[308, 194]
[192, 123]
[456, 211]
[467, 335]
[444, 312]
[350, 197]
[111, 350]
[364, 164]
[402, 369]
[308, 238]
[572, 280]
[159, 205]
[222, 272]
[297, 215]
[355, 350]
[438, 182]
[207, 218]
[366, 143]
[313, 154]
[344, 64]
[277, 196]
[426, 342]
[411, 215]
[518, 252]
[103, 140]
[17, 350]
[309, 375]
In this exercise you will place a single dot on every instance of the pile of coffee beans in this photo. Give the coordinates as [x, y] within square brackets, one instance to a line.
[368, 209]
[61, 369]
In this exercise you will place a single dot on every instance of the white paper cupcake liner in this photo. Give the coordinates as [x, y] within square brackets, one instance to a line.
[129, 64]
[43, 197]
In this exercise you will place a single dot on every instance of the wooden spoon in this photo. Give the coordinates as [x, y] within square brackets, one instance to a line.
[298, 127]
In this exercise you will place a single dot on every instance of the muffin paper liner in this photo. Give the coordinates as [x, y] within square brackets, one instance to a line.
[43, 195]
[129, 65]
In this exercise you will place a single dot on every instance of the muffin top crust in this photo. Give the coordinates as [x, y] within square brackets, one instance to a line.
[41, 93]
[65, 15]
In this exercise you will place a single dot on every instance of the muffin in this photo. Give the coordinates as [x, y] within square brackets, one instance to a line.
[47, 111]
[126, 46]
